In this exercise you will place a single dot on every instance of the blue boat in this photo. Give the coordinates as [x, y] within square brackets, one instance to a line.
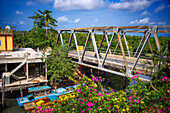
[44, 91]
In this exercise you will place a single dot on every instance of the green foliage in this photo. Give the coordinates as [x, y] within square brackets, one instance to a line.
[44, 19]
[142, 97]
[136, 98]
[159, 65]
[20, 38]
[59, 65]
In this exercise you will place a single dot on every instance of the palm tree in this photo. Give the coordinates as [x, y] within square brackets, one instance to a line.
[44, 19]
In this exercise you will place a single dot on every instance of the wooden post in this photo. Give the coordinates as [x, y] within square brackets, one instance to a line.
[123, 52]
[46, 70]
[21, 90]
[157, 41]
[6, 67]
[150, 46]
[3, 103]
[3, 91]
[27, 71]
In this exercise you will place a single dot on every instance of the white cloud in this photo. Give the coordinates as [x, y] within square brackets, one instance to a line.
[131, 5]
[162, 23]
[44, 1]
[21, 22]
[152, 22]
[78, 4]
[144, 21]
[31, 3]
[19, 13]
[62, 19]
[35, 2]
[160, 8]
[77, 20]
[66, 19]
[96, 19]
[13, 22]
[134, 22]
[145, 13]
[141, 21]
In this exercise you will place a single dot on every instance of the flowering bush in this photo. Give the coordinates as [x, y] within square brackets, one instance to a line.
[142, 97]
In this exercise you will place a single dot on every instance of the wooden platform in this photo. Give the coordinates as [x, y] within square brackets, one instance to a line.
[24, 82]
[30, 106]
[115, 61]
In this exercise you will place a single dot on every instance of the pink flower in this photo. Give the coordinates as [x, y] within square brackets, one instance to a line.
[163, 79]
[130, 104]
[134, 100]
[100, 80]
[89, 104]
[103, 79]
[100, 94]
[90, 91]
[39, 107]
[81, 111]
[93, 79]
[137, 101]
[79, 90]
[134, 77]
[130, 100]
[89, 109]
[81, 102]
[130, 97]
[91, 87]
[95, 90]
[159, 110]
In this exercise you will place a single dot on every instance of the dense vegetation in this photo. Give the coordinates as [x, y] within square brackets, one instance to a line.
[138, 97]
[36, 37]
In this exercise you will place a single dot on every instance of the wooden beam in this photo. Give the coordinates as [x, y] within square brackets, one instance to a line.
[150, 46]
[27, 71]
[157, 41]
[123, 52]
[163, 31]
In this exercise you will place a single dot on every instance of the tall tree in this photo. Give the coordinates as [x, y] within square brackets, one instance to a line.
[44, 19]
[59, 65]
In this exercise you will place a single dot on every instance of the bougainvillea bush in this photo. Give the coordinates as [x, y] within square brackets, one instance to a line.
[142, 97]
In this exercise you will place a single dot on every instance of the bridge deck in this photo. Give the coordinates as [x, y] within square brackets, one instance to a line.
[115, 61]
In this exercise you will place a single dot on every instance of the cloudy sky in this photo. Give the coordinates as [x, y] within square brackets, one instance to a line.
[86, 13]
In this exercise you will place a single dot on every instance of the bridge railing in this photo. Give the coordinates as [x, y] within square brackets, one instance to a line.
[120, 31]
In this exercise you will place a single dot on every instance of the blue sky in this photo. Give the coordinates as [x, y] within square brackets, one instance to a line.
[86, 13]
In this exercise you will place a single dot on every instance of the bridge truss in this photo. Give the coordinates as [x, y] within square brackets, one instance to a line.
[120, 31]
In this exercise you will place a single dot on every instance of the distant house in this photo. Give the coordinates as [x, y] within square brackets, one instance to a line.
[6, 40]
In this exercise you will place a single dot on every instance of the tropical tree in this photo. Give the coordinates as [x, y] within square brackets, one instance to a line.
[59, 65]
[44, 19]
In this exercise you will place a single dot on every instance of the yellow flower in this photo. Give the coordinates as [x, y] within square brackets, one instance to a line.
[142, 102]
[127, 109]
[123, 110]
[124, 98]
[124, 93]
[95, 85]
[117, 106]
